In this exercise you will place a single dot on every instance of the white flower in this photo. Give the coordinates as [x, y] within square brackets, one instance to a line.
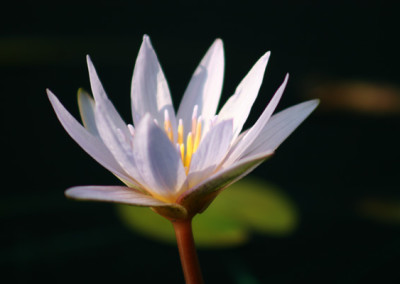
[177, 163]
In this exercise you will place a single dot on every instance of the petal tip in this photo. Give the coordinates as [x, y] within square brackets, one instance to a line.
[89, 63]
[266, 55]
[218, 43]
[69, 193]
[146, 42]
[287, 76]
[285, 81]
[82, 95]
[316, 102]
[52, 97]
[263, 61]
[81, 91]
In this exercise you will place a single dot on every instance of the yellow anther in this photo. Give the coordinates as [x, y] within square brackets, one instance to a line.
[197, 136]
[189, 151]
[180, 132]
[182, 150]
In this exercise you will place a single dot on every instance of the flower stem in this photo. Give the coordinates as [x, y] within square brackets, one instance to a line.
[187, 252]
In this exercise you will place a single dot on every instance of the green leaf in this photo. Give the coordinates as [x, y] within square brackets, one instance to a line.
[248, 206]
[381, 209]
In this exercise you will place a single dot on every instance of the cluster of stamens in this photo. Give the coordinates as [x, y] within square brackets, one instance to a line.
[192, 139]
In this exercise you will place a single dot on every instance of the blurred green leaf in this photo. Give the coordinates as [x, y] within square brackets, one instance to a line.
[383, 210]
[250, 205]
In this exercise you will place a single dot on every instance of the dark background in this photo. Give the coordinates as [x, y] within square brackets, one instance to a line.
[340, 168]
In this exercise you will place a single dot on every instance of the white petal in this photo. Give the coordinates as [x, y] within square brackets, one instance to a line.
[119, 145]
[212, 150]
[239, 104]
[279, 127]
[102, 100]
[200, 196]
[112, 129]
[118, 194]
[86, 108]
[255, 131]
[204, 89]
[150, 92]
[91, 144]
[157, 160]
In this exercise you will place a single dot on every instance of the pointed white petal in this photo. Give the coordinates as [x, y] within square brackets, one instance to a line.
[86, 108]
[117, 143]
[200, 196]
[255, 131]
[149, 91]
[239, 104]
[157, 159]
[91, 144]
[279, 127]
[117, 194]
[204, 89]
[211, 152]
[102, 100]
[112, 129]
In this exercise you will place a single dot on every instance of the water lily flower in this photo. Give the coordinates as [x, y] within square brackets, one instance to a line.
[177, 163]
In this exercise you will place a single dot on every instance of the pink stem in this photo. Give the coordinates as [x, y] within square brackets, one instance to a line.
[187, 252]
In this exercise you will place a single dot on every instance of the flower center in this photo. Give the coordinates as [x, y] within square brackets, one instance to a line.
[186, 147]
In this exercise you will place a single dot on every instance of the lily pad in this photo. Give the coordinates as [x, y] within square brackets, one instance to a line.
[250, 205]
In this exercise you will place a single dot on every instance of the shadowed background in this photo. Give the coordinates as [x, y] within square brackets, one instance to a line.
[338, 171]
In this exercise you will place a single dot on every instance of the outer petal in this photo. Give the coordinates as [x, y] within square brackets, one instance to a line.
[118, 194]
[238, 106]
[150, 92]
[157, 160]
[112, 129]
[86, 109]
[102, 100]
[211, 152]
[91, 144]
[255, 131]
[204, 89]
[117, 143]
[279, 127]
[199, 197]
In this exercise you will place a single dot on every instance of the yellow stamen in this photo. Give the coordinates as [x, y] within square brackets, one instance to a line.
[192, 139]
[189, 151]
[180, 132]
[182, 150]
[197, 137]
[168, 129]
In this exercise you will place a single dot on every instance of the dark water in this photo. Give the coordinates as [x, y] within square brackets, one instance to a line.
[340, 168]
